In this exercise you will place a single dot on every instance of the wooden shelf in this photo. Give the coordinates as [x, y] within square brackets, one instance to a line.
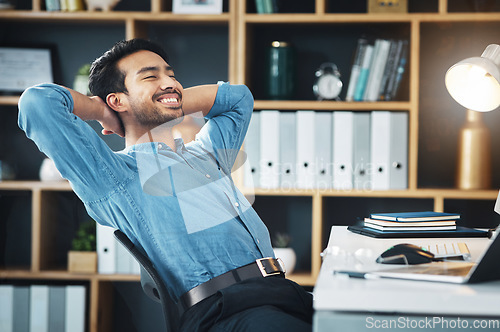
[9, 100]
[240, 36]
[111, 17]
[416, 193]
[36, 185]
[368, 18]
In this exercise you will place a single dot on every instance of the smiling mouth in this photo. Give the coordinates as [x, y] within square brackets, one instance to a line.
[168, 100]
[171, 98]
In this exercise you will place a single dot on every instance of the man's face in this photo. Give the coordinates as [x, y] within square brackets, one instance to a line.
[154, 95]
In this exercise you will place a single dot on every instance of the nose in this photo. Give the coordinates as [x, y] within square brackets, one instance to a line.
[168, 82]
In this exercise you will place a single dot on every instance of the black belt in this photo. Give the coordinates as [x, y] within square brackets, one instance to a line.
[263, 267]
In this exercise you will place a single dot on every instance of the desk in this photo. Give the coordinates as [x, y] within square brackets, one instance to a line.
[350, 304]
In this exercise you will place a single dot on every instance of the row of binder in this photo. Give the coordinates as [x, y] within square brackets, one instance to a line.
[341, 150]
[112, 256]
[42, 308]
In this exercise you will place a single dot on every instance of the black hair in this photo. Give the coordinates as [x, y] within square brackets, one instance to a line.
[105, 77]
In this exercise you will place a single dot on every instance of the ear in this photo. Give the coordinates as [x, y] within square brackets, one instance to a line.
[116, 101]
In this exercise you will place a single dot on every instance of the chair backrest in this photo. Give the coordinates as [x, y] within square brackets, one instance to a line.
[151, 283]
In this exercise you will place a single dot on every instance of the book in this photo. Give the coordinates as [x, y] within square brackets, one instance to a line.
[415, 216]
[397, 75]
[356, 68]
[375, 233]
[410, 223]
[52, 5]
[259, 6]
[411, 228]
[383, 225]
[360, 87]
[390, 67]
[377, 67]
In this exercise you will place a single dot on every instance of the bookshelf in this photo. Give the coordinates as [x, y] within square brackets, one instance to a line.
[323, 29]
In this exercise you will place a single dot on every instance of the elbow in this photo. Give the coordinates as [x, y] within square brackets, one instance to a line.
[37, 102]
[246, 98]
[28, 105]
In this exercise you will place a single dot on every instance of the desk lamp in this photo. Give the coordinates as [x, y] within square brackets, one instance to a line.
[475, 84]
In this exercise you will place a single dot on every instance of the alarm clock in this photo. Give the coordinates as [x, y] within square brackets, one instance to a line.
[328, 84]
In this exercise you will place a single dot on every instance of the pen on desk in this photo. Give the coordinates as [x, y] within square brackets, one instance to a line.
[359, 275]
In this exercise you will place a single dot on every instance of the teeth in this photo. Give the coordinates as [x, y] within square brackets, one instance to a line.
[168, 100]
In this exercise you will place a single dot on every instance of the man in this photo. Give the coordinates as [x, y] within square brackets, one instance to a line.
[178, 202]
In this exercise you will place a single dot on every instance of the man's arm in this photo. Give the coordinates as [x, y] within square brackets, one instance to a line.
[94, 108]
[227, 124]
[48, 115]
[199, 98]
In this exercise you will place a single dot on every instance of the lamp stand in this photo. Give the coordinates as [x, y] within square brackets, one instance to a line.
[474, 154]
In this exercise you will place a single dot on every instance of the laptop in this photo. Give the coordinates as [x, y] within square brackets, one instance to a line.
[487, 268]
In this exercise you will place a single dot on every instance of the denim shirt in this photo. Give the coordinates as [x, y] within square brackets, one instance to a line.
[180, 206]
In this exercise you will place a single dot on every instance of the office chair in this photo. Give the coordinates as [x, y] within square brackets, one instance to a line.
[152, 284]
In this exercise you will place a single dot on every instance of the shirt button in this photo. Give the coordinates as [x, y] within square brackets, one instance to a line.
[236, 204]
[258, 241]
[208, 176]
[160, 146]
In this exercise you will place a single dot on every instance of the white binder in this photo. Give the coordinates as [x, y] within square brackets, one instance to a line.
[305, 149]
[380, 144]
[106, 249]
[6, 305]
[323, 153]
[361, 150]
[398, 151]
[21, 308]
[343, 150]
[39, 308]
[252, 149]
[57, 306]
[75, 308]
[269, 149]
[123, 259]
[288, 150]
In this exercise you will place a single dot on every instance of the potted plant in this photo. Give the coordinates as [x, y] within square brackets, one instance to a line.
[81, 82]
[282, 250]
[82, 258]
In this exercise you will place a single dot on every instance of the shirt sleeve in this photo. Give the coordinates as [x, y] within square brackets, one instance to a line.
[82, 157]
[228, 122]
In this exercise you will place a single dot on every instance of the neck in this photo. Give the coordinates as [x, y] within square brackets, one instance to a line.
[162, 133]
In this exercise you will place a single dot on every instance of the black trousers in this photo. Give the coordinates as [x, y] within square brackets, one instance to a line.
[258, 304]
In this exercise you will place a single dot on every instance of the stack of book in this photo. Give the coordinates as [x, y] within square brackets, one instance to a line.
[413, 221]
[377, 70]
[64, 5]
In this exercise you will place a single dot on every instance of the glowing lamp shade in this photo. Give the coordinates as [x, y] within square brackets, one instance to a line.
[475, 82]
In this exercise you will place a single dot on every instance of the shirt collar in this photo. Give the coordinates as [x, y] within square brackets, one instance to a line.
[155, 147]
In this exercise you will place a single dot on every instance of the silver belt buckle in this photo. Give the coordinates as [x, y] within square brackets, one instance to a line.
[261, 263]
